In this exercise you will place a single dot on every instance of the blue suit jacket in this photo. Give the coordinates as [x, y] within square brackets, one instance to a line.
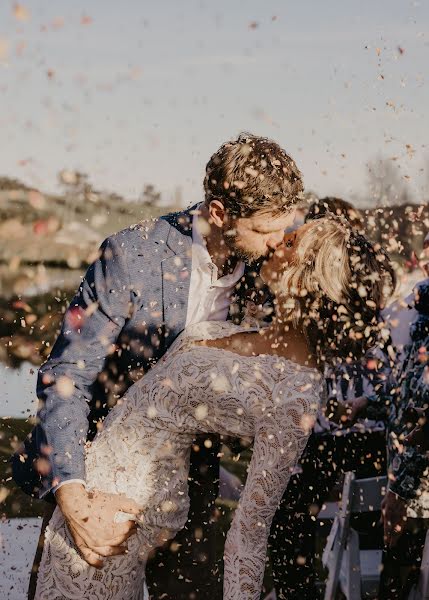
[129, 308]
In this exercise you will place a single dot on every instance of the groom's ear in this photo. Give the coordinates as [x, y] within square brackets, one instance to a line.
[217, 213]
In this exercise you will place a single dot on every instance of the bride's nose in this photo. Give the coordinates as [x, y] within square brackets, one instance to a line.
[275, 240]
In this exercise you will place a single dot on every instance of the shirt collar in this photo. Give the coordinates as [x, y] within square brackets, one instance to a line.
[201, 256]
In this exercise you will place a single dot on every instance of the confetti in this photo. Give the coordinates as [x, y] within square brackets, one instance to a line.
[86, 20]
[20, 12]
[4, 49]
[65, 386]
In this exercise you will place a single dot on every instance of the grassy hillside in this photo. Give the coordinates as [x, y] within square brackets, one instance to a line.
[62, 230]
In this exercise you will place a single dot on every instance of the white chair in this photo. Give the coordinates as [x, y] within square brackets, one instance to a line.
[356, 571]
[421, 591]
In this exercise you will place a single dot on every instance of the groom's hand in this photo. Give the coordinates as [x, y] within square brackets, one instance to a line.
[90, 517]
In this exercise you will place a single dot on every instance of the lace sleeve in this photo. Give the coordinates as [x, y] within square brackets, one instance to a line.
[279, 442]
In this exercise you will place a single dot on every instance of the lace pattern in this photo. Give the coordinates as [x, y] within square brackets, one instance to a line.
[143, 452]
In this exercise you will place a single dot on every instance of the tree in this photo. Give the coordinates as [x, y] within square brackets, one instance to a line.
[386, 185]
[8, 183]
[149, 196]
[76, 185]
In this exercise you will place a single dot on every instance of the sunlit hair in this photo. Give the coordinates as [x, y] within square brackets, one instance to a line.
[335, 287]
[322, 207]
[252, 174]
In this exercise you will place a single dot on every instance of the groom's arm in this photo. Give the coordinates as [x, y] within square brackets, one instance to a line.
[90, 329]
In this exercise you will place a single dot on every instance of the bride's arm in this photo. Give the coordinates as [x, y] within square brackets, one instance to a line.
[279, 442]
[244, 343]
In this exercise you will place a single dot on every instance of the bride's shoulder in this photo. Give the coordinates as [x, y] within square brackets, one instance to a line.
[205, 330]
[211, 330]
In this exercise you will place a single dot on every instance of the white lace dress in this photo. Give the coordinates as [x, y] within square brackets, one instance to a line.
[143, 452]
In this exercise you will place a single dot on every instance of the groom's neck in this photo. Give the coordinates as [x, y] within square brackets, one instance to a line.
[220, 253]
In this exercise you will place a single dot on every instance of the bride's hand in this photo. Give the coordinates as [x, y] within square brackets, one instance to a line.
[92, 522]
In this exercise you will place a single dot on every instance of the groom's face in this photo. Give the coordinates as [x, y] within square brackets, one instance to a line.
[251, 238]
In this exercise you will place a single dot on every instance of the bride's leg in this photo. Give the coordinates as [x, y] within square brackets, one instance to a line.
[120, 461]
[64, 575]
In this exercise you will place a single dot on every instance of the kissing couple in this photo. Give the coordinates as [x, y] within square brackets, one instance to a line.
[154, 339]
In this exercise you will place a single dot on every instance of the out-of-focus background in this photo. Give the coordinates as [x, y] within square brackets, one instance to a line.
[110, 111]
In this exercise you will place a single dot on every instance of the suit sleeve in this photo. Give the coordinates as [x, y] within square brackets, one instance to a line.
[90, 328]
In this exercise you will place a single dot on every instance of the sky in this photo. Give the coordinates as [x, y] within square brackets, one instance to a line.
[136, 92]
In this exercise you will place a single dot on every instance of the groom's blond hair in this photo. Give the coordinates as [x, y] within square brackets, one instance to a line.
[252, 174]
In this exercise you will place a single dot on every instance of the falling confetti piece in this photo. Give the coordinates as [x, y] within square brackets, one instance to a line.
[65, 386]
[85, 20]
[76, 317]
[4, 493]
[20, 47]
[43, 466]
[20, 12]
[307, 422]
[136, 73]
[36, 200]
[151, 412]
[4, 49]
[253, 25]
[68, 177]
[57, 23]
[410, 150]
[371, 364]
[21, 305]
[201, 412]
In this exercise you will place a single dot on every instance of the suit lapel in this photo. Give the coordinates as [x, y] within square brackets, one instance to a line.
[247, 289]
[176, 273]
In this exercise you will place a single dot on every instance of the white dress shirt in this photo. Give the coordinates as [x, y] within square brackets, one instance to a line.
[209, 295]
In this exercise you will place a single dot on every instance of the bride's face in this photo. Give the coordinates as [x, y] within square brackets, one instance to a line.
[276, 263]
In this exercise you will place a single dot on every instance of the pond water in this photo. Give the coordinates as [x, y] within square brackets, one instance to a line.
[18, 542]
[18, 391]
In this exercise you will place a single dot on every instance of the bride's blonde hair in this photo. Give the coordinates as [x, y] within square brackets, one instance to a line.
[335, 287]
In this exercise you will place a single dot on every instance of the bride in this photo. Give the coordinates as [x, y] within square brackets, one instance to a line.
[329, 284]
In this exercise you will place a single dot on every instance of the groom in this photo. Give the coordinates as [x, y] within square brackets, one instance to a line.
[150, 282]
